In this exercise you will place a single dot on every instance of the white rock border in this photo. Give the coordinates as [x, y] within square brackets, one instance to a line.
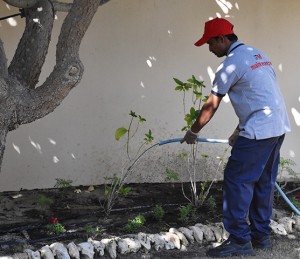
[179, 238]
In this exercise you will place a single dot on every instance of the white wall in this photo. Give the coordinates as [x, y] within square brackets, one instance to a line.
[77, 142]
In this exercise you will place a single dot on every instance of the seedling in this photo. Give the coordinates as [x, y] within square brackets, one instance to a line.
[285, 167]
[211, 202]
[197, 98]
[296, 202]
[44, 201]
[136, 223]
[159, 212]
[171, 175]
[124, 191]
[90, 231]
[186, 212]
[115, 185]
[63, 183]
[55, 228]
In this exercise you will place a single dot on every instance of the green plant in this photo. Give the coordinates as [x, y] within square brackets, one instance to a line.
[114, 181]
[63, 183]
[54, 227]
[44, 201]
[159, 212]
[296, 202]
[19, 248]
[171, 175]
[186, 212]
[285, 166]
[197, 98]
[285, 169]
[124, 191]
[91, 231]
[115, 185]
[135, 223]
[211, 202]
[120, 132]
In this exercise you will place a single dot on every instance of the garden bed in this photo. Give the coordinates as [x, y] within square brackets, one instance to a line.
[26, 215]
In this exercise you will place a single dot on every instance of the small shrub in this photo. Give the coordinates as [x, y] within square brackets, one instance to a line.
[171, 175]
[90, 231]
[44, 201]
[55, 228]
[124, 191]
[211, 202]
[18, 249]
[63, 183]
[186, 212]
[159, 212]
[296, 202]
[136, 223]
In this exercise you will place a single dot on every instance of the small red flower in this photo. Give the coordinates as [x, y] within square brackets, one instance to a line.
[53, 220]
[297, 196]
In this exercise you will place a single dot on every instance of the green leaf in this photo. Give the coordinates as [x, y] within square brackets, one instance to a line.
[149, 138]
[141, 119]
[187, 87]
[205, 98]
[120, 132]
[178, 81]
[178, 88]
[132, 114]
[198, 95]
[182, 155]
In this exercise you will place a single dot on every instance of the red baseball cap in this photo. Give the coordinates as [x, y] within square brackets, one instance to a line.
[214, 28]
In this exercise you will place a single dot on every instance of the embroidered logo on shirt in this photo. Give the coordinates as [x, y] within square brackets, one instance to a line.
[258, 56]
[260, 64]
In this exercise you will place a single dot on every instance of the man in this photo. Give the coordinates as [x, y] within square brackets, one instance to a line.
[247, 76]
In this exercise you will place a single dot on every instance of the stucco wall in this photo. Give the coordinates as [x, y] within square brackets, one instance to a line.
[131, 52]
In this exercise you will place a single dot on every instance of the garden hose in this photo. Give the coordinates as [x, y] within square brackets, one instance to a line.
[225, 141]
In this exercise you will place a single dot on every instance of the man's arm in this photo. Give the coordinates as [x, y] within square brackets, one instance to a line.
[207, 112]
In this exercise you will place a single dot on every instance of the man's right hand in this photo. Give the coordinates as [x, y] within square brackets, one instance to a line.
[190, 137]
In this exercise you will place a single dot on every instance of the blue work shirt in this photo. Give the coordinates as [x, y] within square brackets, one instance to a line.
[247, 76]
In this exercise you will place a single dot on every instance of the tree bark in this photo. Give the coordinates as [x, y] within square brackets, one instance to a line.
[21, 99]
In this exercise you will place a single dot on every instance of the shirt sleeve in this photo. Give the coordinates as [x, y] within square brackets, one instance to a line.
[225, 77]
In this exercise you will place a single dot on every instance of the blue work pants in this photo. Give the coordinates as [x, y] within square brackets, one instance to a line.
[249, 180]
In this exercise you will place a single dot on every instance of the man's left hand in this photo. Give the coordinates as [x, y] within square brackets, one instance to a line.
[190, 137]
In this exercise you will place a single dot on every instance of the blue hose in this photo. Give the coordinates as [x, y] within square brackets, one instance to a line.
[225, 141]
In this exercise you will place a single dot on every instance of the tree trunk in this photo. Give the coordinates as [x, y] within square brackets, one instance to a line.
[21, 100]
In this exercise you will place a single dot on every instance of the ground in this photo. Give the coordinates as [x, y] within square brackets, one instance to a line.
[24, 217]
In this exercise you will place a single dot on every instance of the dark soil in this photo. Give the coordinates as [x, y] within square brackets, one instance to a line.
[24, 216]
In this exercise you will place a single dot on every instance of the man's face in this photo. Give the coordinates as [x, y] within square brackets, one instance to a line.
[217, 46]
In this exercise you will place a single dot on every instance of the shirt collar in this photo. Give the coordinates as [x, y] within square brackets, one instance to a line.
[233, 45]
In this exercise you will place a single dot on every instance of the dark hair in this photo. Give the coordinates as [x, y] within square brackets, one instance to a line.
[232, 37]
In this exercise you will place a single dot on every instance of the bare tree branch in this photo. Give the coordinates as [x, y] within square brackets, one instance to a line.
[33, 47]
[58, 6]
[3, 60]
[68, 70]
[22, 3]
[71, 35]
[65, 7]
